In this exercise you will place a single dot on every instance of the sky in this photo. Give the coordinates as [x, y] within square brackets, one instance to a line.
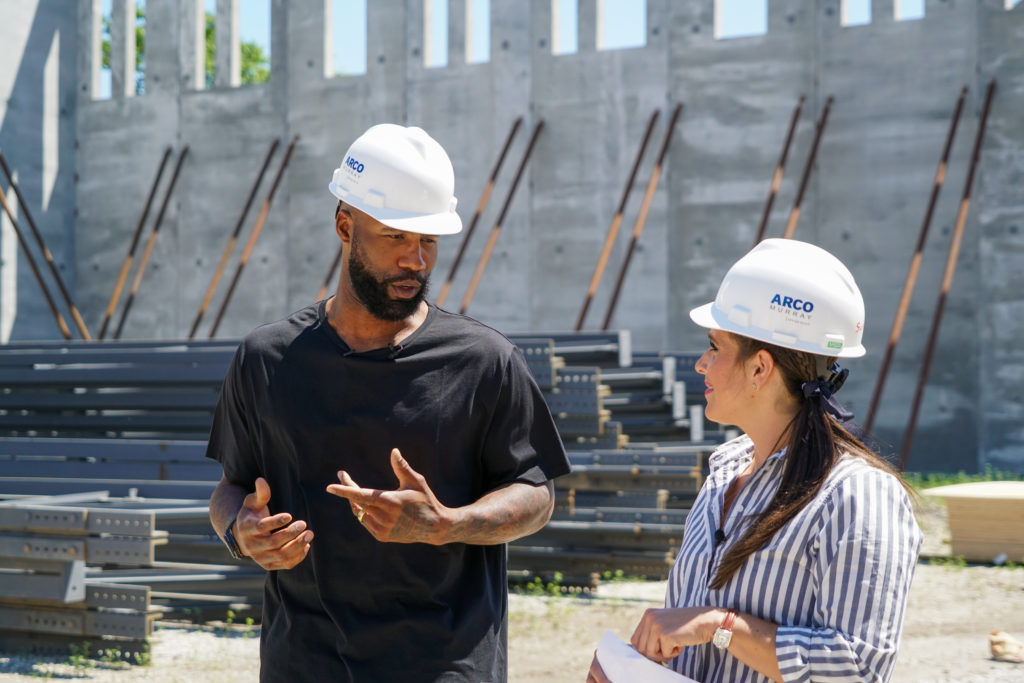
[624, 24]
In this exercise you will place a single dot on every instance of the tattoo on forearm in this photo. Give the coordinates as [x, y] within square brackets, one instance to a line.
[506, 514]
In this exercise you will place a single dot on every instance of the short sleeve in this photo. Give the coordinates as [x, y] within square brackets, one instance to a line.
[522, 443]
[232, 441]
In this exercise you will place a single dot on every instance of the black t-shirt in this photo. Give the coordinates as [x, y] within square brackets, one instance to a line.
[458, 401]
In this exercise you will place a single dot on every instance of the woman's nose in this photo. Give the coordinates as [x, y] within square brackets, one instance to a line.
[701, 365]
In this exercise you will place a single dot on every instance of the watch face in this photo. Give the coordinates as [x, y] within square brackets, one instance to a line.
[722, 638]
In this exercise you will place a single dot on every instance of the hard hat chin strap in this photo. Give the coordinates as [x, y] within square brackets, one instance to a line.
[829, 381]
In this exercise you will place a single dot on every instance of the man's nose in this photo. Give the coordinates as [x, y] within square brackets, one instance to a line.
[413, 257]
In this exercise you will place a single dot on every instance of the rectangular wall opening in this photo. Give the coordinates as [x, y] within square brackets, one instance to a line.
[478, 31]
[621, 24]
[855, 12]
[564, 27]
[740, 18]
[140, 47]
[908, 10]
[348, 38]
[435, 33]
[136, 35]
[254, 27]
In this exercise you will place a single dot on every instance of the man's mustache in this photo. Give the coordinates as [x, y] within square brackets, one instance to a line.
[407, 276]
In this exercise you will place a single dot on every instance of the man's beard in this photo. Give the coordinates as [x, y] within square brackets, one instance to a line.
[373, 292]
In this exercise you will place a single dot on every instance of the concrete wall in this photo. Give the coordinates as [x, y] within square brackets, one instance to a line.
[38, 52]
[894, 85]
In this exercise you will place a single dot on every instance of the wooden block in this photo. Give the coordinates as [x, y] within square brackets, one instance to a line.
[986, 519]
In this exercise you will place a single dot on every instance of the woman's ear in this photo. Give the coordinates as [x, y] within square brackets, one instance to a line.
[760, 367]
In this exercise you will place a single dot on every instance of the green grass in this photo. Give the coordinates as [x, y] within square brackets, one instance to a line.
[928, 480]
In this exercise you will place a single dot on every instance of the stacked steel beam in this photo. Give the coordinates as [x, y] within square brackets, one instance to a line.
[112, 429]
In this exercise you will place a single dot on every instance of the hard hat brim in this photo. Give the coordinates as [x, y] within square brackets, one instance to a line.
[447, 223]
[710, 317]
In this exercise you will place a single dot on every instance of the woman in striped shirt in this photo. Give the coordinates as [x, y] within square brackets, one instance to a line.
[799, 551]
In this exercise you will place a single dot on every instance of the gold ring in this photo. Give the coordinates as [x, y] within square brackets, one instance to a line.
[359, 515]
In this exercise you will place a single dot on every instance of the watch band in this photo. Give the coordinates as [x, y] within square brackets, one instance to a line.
[232, 544]
[723, 634]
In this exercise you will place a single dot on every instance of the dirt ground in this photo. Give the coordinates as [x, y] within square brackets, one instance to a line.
[952, 609]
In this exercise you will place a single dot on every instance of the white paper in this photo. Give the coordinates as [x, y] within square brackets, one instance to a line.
[623, 664]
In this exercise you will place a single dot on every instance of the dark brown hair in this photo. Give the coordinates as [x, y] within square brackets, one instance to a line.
[816, 442]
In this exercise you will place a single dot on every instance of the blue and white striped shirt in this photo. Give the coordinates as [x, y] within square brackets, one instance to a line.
[835, 578]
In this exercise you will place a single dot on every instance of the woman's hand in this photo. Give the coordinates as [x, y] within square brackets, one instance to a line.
[596, 673]
[663, 633]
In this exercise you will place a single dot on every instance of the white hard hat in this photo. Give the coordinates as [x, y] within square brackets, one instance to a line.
[402, 177]
[791, 294]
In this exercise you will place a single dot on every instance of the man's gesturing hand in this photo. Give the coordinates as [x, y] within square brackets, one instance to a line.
[272, 541]
[409, 514]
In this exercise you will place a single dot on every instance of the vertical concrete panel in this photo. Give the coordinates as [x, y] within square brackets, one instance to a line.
[883, 11]
[329, 114]
[120, 142]
[998, 206]
[457, 32]
[739, 96]
[586, 25]
[122, 49]
[578, 176]
[38, 90]
[228, 45]
[230, 131]
[88, 40]
[896, 85]
[192, 45]
[469, 108]
[163, 43]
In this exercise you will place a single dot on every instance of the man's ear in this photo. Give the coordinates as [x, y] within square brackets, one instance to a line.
[344, 224]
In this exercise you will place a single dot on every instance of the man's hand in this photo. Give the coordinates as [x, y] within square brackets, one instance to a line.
[272, 541]
[409, 514]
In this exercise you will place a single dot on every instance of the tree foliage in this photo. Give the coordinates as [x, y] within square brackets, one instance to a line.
[255, 65]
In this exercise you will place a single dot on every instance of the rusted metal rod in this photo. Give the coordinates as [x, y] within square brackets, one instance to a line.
[777, 176]
[613, 230]
[915, 266]
[148, 251]
[947, 278]
[330, 275]
[484, 198]
[260, 220]
[641, 219]
[794, 215]
[122, 277]
[47, 256]
[230, 246]
[61, 323]
[493, 239]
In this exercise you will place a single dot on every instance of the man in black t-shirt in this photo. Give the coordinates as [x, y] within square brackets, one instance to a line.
[409, 442]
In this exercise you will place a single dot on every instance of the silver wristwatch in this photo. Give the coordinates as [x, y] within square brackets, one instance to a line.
[723, 634]
[232, 544]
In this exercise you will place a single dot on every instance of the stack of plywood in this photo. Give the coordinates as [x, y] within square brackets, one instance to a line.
[986, 519]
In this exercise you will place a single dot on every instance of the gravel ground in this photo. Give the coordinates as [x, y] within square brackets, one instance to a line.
[952, 609]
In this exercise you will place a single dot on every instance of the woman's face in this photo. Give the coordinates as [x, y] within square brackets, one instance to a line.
[726, 386]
